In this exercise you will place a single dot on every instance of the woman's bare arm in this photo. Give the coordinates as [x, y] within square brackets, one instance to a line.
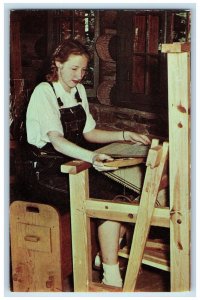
[105, 136]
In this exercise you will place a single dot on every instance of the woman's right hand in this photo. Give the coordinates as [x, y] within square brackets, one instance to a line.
[98, 162]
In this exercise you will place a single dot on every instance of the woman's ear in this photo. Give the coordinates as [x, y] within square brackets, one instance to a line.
[58, 64]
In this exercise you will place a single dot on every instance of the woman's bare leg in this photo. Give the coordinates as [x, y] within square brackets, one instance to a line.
[109, 233]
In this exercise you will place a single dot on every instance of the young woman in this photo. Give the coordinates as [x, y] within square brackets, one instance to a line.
[59, 122]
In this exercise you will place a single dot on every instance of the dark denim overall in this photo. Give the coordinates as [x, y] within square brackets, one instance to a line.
[49, 181]
[73, 121]
[50, 185]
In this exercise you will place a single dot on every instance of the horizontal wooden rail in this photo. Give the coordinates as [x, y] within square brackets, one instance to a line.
[76, 166]
[125, 212]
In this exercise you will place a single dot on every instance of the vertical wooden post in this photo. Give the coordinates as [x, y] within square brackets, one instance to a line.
[155, 165]
[179, 158]
[80, 238]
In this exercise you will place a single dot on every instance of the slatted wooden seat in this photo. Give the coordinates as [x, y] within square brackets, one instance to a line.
[156, 254]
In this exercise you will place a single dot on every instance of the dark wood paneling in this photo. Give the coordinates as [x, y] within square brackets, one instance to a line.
[139, 38]
[153, 34]
[138, 81]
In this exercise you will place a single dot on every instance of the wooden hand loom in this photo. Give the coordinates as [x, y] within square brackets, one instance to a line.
[128, 157]
[176, 217]
[83, 208]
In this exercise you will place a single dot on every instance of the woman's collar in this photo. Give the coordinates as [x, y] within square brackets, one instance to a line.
[61, 91]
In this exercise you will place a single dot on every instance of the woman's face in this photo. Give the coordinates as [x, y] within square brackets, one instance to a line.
[71, 72]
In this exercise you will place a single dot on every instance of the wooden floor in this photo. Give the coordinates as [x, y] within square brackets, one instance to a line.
[149, 280]
[153, 280]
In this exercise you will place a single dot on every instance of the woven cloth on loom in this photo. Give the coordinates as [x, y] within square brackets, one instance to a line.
[130, 177]
[125, 150]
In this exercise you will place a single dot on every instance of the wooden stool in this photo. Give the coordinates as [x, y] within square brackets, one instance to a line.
[143, 215]
[40, 247]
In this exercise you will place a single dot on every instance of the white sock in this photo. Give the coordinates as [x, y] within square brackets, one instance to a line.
[97, 260]
[111, 275]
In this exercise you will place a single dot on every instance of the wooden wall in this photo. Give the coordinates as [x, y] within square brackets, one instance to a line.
[107, 114]
[33, 34]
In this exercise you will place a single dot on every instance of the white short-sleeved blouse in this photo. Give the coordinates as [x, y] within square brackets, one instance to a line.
[43, 111]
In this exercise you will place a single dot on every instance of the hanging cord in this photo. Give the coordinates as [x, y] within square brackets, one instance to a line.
[131, 199]
[125, 198]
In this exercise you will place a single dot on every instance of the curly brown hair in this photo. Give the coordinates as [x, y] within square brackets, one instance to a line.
[62, 53]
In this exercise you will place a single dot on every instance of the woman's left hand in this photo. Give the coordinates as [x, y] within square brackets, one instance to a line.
[136, 138]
